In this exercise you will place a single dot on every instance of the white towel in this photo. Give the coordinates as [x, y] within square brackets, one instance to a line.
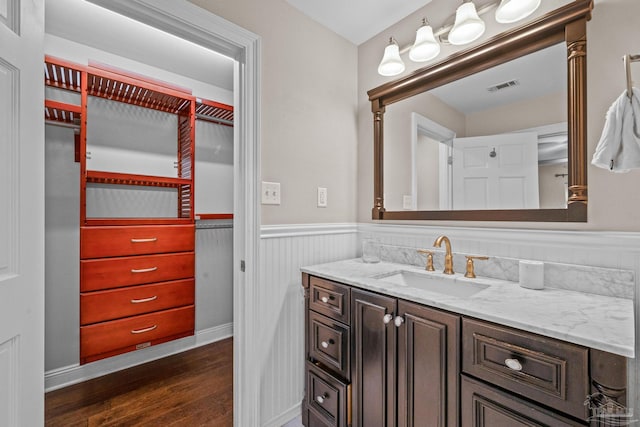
[619, 146]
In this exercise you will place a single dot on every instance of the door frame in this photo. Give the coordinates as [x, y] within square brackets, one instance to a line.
[192, 23]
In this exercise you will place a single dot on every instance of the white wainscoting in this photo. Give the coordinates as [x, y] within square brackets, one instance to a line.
[283, 250]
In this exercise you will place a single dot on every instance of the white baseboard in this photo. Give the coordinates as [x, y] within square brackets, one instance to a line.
[284, 418]
[73, 374]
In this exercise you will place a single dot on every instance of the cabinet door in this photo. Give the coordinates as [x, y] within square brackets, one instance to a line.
[373, 358]
[428, 367]
[484, 406]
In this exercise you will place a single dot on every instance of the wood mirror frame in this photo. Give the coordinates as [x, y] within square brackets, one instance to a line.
[565, 24]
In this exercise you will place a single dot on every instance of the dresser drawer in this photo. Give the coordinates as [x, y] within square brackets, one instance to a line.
[108, 273]
[330, 299]
[329, 343]
[551, 372]
[328, 398]
[101, 242]
[484, 406]
[118, 336]
[112, 304]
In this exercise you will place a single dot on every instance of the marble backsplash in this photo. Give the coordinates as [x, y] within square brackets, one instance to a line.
[583, 278]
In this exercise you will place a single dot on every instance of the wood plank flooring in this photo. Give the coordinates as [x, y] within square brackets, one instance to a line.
[194, 388]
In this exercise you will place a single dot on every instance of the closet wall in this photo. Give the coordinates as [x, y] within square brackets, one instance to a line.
[214, 194]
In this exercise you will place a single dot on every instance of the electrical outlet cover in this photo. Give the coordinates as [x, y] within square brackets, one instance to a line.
[322, 197]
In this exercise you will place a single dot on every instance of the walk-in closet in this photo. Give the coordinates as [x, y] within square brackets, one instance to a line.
[139, 193]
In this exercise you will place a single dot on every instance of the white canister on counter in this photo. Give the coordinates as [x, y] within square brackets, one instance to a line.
[532, 274]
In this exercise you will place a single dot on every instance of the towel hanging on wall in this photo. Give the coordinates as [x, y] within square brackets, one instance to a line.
[619, 147]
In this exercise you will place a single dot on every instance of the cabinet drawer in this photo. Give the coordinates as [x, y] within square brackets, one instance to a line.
[112, 304]
[117, 336]
[107, 273]
[484, 406]
[327, 397]
[551, 372]
[329, 343]
[330, 299]
[101, 242]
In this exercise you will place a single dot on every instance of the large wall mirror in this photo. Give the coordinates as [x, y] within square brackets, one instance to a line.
[496, 132]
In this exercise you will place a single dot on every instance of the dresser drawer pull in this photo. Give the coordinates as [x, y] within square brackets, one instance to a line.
[144, 270]
[149, 240]
[320, 399]
[141, 300]
[143, 330]
[326, 299]
[513, 364]
[326, 344]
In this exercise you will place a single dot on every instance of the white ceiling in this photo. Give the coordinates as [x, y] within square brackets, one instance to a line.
[357, 20]
[94, 26]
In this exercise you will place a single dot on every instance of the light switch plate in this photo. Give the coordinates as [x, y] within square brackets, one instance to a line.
[270, 193]
[322, 197]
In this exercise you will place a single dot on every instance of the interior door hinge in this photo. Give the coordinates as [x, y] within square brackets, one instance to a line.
[242, 266]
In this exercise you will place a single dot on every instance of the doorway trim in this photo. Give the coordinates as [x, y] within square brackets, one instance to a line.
[192, 23]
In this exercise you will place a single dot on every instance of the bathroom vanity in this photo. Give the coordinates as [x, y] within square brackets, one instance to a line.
[388, 344]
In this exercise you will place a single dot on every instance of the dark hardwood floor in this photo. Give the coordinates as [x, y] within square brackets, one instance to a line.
[194, 388]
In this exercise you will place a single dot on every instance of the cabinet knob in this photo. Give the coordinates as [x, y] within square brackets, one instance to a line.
[387, 318]
[326, 344]
[399, 320]
[513, 364]
[324, 300]
[320, 399]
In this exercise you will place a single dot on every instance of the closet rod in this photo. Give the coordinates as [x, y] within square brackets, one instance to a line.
[62, 124]
[212, 120]
[628, 59]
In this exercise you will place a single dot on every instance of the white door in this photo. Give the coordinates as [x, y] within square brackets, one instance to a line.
[496, 172]
[21, 213]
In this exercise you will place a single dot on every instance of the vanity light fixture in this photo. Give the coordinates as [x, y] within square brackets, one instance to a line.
[391, 64]
[426, 46]
[468, 25]
[514, 10]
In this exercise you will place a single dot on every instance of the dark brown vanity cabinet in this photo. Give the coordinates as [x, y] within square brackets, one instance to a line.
[376, 360]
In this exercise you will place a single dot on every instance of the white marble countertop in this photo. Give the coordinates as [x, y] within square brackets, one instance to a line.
[596, 321]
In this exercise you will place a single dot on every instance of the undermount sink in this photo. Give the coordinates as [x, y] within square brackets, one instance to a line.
[441, 285]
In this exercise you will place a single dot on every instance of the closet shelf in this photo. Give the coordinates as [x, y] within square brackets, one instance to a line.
[137, 221]
[62, 74]
[59, 112]
[130, 90]
[100, 177]
[214, 112]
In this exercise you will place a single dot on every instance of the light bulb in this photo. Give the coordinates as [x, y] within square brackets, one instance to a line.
[391, 64]
[468, 26]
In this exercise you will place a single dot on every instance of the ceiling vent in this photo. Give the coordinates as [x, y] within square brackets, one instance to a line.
[502, 86]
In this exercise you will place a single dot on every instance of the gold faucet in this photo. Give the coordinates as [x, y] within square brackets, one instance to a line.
[448, 257]
[429, 254]
[470, 271]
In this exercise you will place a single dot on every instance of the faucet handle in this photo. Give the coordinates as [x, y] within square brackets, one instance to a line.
[470, 272]
[429, 254]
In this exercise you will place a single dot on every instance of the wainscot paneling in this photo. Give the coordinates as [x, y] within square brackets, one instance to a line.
[283, 250]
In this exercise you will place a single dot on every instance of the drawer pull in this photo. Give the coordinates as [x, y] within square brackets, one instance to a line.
[326, 344]
[141, 300]
[320, 399]
[149, 240]
[513, 364]
[144, 270]
[387, 318]
[143, 330]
